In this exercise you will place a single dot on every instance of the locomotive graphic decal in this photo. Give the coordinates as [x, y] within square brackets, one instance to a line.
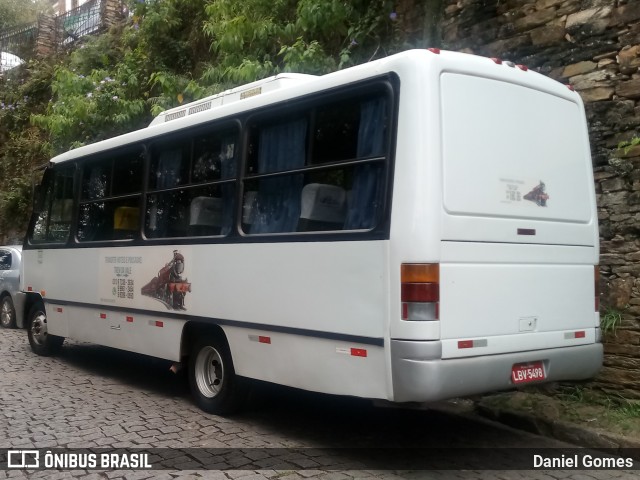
[168, 286]
[538, 195]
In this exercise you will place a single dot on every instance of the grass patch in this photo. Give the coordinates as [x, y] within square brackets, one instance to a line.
[610, 321]
[577, 404]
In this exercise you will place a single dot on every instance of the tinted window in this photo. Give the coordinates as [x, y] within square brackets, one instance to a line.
[319, 169]
[110, 198]
[5, 260]
[192, 185]
[55, 211]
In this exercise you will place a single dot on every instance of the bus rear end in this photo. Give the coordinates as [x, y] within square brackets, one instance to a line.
[504, 291]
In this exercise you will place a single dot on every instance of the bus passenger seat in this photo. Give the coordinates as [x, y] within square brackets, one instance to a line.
[125, 222]
[205, 216]
[323, 208]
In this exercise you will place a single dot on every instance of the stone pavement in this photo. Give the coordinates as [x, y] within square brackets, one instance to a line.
[95, 397]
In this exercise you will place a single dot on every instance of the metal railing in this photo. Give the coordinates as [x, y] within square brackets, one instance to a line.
[78, 22]
[17, 43]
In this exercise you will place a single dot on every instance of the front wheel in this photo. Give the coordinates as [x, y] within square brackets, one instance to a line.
[40, 340]
[7, 313]
[215, 387]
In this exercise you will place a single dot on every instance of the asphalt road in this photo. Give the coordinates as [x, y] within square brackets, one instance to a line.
[96, 397]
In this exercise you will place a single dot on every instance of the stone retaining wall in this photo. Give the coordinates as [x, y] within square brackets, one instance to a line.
[595, 46]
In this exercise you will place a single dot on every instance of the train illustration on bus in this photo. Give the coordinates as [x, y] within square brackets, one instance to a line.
[168, 286]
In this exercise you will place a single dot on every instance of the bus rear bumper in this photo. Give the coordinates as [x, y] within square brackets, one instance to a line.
[418, 376]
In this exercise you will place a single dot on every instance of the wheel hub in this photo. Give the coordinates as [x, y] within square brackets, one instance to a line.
[39, 329]
[209, 372]
[5, 314]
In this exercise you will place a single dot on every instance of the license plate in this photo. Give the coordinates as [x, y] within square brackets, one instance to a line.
[527, 372]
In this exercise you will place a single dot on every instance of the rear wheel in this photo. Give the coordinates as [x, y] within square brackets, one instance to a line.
[40, 340]
[7, 313]
[215, 387]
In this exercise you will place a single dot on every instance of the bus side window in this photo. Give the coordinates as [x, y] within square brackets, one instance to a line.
[324, 178]
[281, 147]
[110, 197]
[365, 192]
[192, 186]
[53, 222]
[168, 173]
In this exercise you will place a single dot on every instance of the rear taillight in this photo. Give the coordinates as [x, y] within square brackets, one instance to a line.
[596, 279]
[420, 291]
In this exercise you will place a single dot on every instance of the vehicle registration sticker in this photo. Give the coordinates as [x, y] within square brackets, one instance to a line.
[527, 372]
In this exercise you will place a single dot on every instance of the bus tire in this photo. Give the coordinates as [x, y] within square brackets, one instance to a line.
[214, 385]
[42, 343]
[7, 313]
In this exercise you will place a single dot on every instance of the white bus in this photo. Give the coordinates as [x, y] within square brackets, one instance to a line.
[417, 228]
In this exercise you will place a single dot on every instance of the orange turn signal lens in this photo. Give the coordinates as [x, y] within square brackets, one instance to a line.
[420, 273]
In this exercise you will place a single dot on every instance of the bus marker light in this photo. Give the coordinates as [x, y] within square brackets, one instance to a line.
[497, 61]
[524, 68]
[434, 50]
[158, 323]
[572, 335]
[130, 319]
[59, 309]
[354, 352]
[260, 339]
[103, 316]
[482, 342]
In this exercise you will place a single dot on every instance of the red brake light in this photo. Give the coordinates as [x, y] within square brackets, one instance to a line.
[420, 292]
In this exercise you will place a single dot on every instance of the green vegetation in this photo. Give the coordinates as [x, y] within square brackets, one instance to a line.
[574, 404]
[170, 52]
[19, 12]
[628, 145]
[610, 321]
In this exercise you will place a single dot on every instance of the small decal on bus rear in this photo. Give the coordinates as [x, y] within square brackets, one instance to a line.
[513, 191]
[538, 195]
